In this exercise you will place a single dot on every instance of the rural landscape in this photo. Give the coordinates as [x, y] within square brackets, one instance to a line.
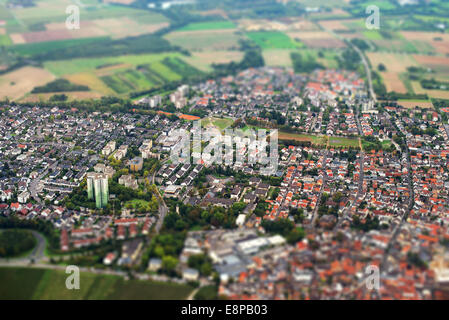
[124, 48]
[352, 97]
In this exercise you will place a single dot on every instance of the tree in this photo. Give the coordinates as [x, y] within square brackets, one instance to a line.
[169, 263]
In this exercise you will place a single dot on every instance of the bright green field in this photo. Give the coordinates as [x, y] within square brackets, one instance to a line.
[272, 40]
[372, 35]
[212, 25]
[43, 284]
[5, 40]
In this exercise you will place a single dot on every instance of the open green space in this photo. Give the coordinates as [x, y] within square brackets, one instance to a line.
[343, 142]
[47, 284]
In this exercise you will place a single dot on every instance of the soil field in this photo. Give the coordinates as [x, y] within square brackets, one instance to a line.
[410, 104]
[16, 84]
[438, 94]
[393, 82]
[394, 62]
[277, 57]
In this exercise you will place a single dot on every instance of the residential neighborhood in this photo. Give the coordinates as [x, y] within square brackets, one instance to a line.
[357, 186]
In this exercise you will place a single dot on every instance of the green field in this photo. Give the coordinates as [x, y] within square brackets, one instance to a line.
[372, 35]
[149, 75]
[327, 58]
[63, 67]
[5, 40]
[46, 284]
[29, 49]
[343, 142]
[217, 122]
[212, 25]
[272, 40]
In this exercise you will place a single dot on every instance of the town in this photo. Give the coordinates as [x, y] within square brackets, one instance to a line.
[357, 184]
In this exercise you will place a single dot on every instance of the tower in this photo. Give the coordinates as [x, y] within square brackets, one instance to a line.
[98, 188]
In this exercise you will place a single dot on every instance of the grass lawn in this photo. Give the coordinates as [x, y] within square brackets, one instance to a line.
[343, 142]
[386, 144]
[272, 40]
[220, 123]
[43, 284]
[136, 203]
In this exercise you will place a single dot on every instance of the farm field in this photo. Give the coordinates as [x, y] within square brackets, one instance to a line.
[328, 58]
[320, 140]
[17, 83]
[72, 95]
[46, 284]
[317, 39]
[395, 62]
[333, 25]
[272, 40]
[204, 40]
[46, 21]
[438, 94]
[213, 25]
[104, 76]
[404, 46]
[277, 57]
[438, 64]
[29, 49]
[203, 60]
[63, 67]
[410, 104]
[393, 82]
[440, 41]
